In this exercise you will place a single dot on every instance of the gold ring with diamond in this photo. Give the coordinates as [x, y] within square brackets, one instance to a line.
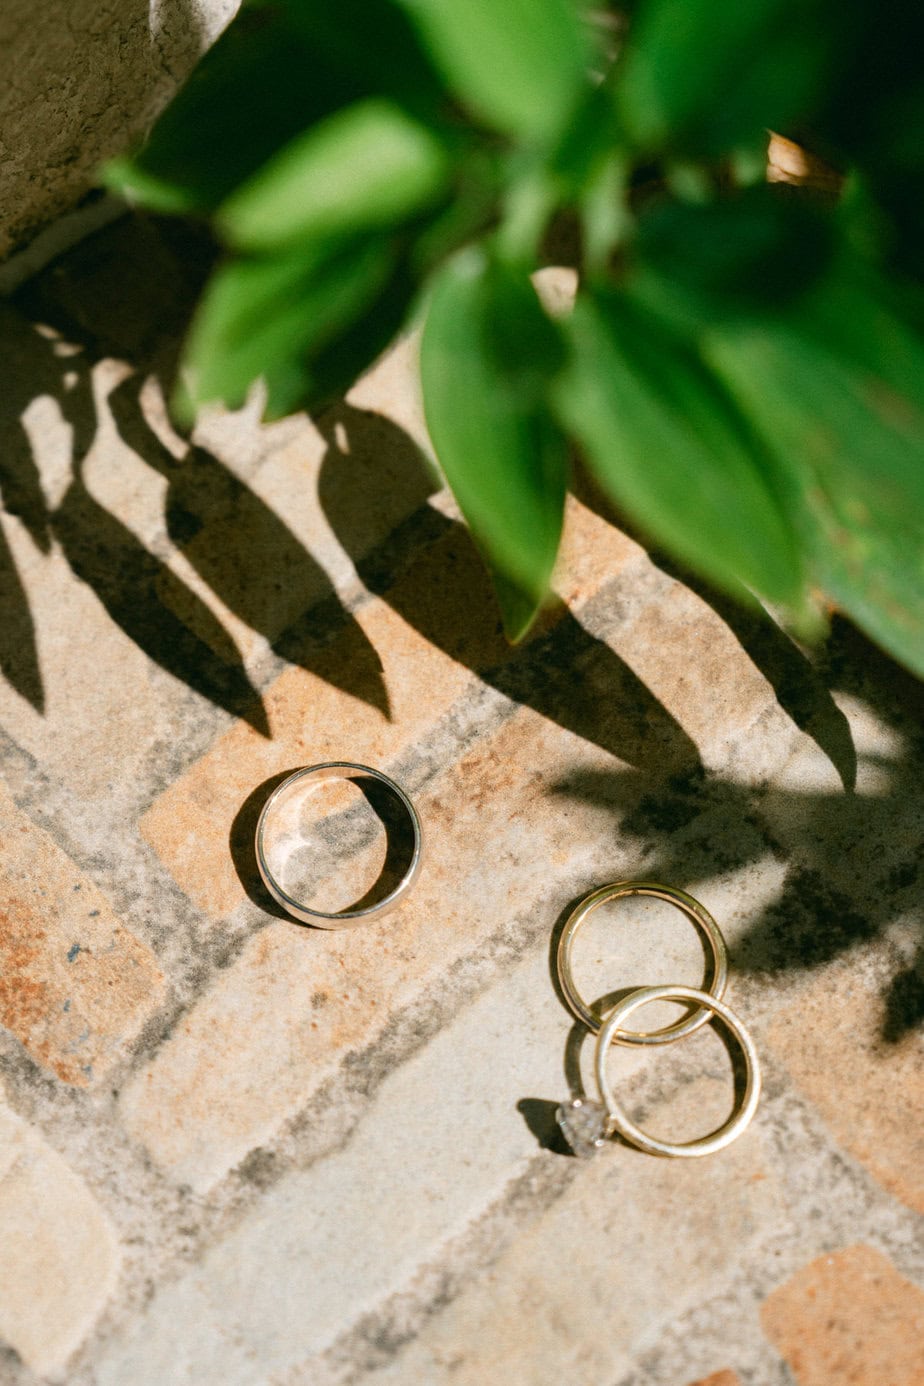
[616, 1119]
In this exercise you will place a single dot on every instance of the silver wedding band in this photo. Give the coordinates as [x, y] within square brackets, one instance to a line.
[344, 919]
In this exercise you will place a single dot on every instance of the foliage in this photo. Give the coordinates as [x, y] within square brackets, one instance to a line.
[743, 366]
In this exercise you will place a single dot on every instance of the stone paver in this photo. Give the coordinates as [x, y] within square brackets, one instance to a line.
[400, 685]
[86, 662]
[75, 984]
[849, 1319]
[600, 1270]
[75, 92]
[60, 1258]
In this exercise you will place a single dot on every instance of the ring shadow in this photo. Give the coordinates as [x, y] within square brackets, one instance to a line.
[400, 842]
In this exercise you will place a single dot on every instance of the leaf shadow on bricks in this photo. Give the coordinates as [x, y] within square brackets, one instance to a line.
[562, 672]
[127, 293]
[798, 682]
[852, 856]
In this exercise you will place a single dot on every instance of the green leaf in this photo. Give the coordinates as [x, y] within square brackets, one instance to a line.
[666, 442]
[131, 180]
[703, 75]
[272, 318]
[746, 252]
[276, 70]
[836, 389]
[258, 86]
[487, 356]
[520, 65]
[366, 167]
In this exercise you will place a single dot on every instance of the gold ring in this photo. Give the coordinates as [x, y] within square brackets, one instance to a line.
[691, 908]
[616, 1117]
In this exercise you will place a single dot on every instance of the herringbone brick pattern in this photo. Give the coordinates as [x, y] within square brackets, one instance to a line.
[236, 1150]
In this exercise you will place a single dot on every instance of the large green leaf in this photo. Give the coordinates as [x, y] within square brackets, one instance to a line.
[487, 356]
[836, 389]
[368, 166]
[257, 87]
[272, 318]
[704, 75]
[520, 65]
[666, 442]
[743, 253]
[277, 69]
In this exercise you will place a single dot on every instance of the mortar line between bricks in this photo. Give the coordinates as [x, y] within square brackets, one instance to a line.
[794, 1106]
[325, 1097]
[480, 711]
[344, 1096]
[381, 1335]
[55, 808]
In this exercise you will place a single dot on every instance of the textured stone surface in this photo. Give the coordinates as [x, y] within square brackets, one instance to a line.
[723, 1378]
[78, 83]
[60, 1257]
[436, 1147]
[849, 1318]
[75, 984]
[597, 1270]
[401, 684]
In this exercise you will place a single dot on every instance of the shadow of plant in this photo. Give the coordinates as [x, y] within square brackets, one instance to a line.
[852, 857]
[563, 672]
[58, 328]
[126, 294]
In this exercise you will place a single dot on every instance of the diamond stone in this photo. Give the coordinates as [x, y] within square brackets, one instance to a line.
[583, 1125]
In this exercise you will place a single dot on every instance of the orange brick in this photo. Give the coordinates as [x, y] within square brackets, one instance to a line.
[869, 1092]
[592, 553]
[75, 985]
[849, 1319]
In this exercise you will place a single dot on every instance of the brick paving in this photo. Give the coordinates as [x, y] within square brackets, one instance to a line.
[240, 1151]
